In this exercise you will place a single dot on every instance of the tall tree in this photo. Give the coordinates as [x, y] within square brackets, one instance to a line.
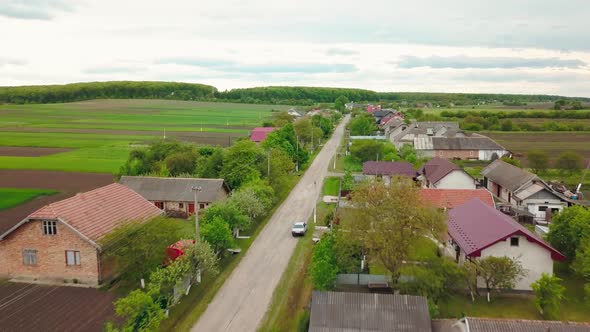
[568, 228]
[242, 163]
[248, 203]
[569, 161]
[218, 234]
[548, 295]
[538, 160]
[581, 263]
[388, 220]
[229, 213]
[362, 125]
[323, 268]
[499, 273]
[340, 103]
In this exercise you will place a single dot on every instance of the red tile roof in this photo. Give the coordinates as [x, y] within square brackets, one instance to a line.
[96, 213]
[450, 198]
[388, 168]
[475, 226]
[259, 134]
[437, 168]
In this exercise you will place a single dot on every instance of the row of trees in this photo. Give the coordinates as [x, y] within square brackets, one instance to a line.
[530, 114]
[567, 161]
[494, 124]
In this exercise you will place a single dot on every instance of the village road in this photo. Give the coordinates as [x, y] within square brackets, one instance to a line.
[242, 301]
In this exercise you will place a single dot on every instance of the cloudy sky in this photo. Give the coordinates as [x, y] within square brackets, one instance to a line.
[510, 46]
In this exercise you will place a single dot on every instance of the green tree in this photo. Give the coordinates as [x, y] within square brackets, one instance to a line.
[282, 118]
[340, 103]
[248, 203]
[348, 252]
[303, 128]
[363, 125]
[323, 268]
[281, 165]
[201, 259]
[569, 161]
[568, 228]
[365, 150]
[507, 125]
[499, 273]
[263, 191]
[389, 220]
[438, 279]
[242, 163]
[139, 311]
[548, 295]
[230, 213]
[538, 160]
[180, 162]
[581, 263]
[210, 166]
[347, 181]
[218, 234]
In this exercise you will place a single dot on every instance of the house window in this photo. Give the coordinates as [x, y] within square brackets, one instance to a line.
[181, 205]
[202, 206]
[72, 257]
[49, 227]
[514, 242]
[159, 205]
[30, 257]
[542, 208]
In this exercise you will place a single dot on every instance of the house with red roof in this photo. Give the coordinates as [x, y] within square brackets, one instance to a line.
[385, 170]
[451, 198]
[477, 230]
[442, 174]
[259, 134]
[61, 241]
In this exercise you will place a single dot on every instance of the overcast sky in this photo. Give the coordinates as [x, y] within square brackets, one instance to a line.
[510, 46]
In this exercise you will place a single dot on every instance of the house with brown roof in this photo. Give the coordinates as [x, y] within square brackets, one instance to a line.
[477, 230]
[443, 174]
[176, 195]
[60, 241]
[523, 190]
[259, 134]
[451, 198]
[385, 170]
[477, 324]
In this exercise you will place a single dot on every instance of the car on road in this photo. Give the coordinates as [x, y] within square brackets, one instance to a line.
[299, 229]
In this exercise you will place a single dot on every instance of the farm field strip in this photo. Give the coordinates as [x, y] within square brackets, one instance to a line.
[10, 197]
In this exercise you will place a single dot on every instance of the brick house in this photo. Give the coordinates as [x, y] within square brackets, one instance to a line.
[175, 195]
[60, 241]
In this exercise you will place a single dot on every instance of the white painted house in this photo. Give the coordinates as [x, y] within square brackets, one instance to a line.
[442, 174]
[477, 230]
[523, 190]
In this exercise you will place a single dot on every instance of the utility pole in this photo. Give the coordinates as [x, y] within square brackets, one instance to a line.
[196, 190]
[268, 164]
[297, 165]
[312, 137]
[315, 217]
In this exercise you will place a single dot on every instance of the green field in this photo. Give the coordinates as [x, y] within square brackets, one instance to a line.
[10, 197]
[102, 132]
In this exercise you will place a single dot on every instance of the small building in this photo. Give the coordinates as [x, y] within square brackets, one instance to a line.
[477, 230]
[522, 189]
[176, 195]
[400, 133]
[359, 312]
[295, 113]
[477, 324]
[385, 170]
[373, 108]
[442, 174]
[451, 198]
[259, 134]
[60, 241]
[382, 114]
[474, 147]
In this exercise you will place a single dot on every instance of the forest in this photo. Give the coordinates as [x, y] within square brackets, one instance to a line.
[281, 95]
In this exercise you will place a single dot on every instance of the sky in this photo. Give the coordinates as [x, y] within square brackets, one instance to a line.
[501, 46]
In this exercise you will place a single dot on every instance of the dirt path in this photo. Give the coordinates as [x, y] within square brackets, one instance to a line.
[243, 300]
[66, 183]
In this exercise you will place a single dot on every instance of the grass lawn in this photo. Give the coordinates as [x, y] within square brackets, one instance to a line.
[10, 197]
[331, 186]
[352, 165]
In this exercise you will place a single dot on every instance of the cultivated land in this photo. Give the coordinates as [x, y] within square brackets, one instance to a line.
[100, 133]
[10, 197]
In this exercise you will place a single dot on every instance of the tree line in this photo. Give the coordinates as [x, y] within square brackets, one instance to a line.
[286, 95]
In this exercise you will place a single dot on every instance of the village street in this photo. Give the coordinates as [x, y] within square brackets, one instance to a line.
[242, 301]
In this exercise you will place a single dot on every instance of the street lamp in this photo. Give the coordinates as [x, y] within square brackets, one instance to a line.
[196, 190]
[297, 165]
[314, 203]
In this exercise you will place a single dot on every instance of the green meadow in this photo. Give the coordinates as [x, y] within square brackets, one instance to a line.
[10, 197]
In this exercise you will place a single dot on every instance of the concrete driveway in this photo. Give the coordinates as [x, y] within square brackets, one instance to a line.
[243, 300]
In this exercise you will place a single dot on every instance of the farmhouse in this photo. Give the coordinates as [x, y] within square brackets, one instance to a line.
[59, 242]
[347, 311]
[385, 170]
[176, 195]
[259, 134]
[474, 147]
[403, 133]
[522, 189]
[451, 198]
[443, 174]
[478, 230]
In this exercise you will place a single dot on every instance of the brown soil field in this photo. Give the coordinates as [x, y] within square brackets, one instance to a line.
[553, 143]
[67, 184]
[16, 151]
[29, 307]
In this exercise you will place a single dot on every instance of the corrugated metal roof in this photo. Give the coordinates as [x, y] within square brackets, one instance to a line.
[450, 198]
[259, 134]
[465, 143]
[340, 312]
[437, 168]
[506, 175]
[174, 189]
[529, 191]
[423, 142]
[501, 325]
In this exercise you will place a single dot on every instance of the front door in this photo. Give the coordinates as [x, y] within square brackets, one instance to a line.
[191, 208]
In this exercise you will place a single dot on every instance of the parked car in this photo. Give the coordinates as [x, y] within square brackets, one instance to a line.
[299, 229]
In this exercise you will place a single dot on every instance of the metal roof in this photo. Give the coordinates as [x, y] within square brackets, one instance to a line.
[175, 189]
[437, 168]
[465, 143]
[346, 312]
[450, 198]
[506, 175]
[520, 325]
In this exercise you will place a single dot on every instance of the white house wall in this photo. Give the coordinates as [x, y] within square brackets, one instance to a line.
[456, 179]
[488, 154]
[534, 258]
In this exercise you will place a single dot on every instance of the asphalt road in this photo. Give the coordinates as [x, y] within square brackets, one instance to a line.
[242, 301]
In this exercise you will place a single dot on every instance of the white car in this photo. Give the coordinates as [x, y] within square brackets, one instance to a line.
[299, 229]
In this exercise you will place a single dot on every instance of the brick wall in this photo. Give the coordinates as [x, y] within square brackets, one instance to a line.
[460, 154]
[51, 256]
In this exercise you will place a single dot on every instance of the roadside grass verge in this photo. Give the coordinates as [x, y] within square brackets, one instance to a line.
[331, 186]
[11, 197]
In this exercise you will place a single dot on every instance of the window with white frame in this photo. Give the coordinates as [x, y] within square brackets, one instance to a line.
[72, 257]
[30, 256]
[49, 227]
